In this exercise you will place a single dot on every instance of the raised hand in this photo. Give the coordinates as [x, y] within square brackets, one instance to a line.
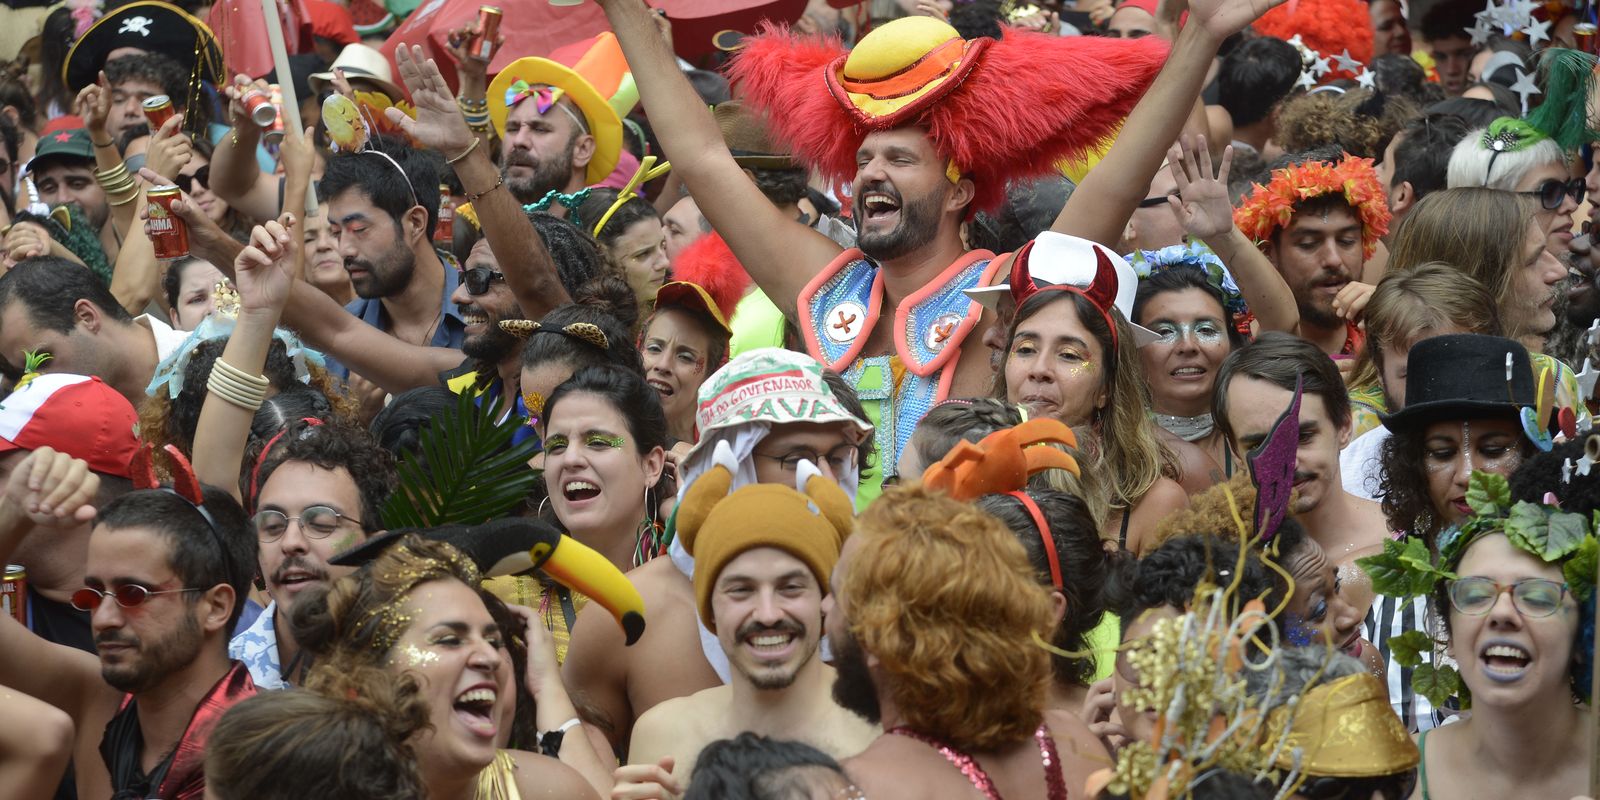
[25, 240]
[295, 152]
[646, 782]
[1201, 205]
[238, 116]
[170, 150]
[439, 123]
[93, 104]
[1352, 299]
[263, 272]
[1224, 18]
[53, 489]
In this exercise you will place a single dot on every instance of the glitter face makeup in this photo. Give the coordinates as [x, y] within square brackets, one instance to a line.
[417, 657]
[604, 440]
[535, 404]
[556, 443]
[1205, 332]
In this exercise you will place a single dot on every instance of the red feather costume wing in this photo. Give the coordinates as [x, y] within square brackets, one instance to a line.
[1030, 101]
[709, 263]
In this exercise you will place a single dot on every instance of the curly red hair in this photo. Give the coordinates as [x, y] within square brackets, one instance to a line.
[1329, 27]
[945, 598]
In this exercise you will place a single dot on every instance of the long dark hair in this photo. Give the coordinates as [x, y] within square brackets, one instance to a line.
[1082, 561]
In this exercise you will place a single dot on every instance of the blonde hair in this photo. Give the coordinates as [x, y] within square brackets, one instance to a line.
[1427, 297]
[944, 596]
[1480, 232]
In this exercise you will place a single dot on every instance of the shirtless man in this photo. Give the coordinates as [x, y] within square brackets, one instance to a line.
[765, 553]
[918, 569]
[1254, 386]
[913, 193]
[774, 408]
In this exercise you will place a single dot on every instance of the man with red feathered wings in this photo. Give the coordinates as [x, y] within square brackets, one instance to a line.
[926, 128]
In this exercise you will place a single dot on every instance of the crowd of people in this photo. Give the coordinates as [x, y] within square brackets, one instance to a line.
[897, 398]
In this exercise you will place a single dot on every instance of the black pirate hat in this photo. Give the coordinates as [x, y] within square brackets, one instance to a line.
[147, 25]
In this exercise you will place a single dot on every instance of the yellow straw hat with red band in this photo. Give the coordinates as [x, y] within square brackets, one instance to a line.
[600, 76]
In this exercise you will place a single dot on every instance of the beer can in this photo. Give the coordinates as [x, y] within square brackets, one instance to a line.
[13, 593]
[274, 131]
[484, 43]
[445, 231]
[168, 232]
[258, 105]
[158, 109]
[1583, 34]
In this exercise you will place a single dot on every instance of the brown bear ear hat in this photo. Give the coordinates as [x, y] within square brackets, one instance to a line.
[716, 525]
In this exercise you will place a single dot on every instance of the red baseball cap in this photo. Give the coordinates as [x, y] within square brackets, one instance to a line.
[74, 414]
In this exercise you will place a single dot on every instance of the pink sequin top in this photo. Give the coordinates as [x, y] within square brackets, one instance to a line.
[1055, 781]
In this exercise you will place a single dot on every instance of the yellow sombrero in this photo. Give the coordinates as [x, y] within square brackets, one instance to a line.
[600, 74]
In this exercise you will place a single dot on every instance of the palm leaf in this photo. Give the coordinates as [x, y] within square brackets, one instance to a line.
[464, 471]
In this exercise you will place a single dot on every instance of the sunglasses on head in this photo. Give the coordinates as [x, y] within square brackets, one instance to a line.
[201, 178]
[1552, 192]
[128, 595]
[479, 279]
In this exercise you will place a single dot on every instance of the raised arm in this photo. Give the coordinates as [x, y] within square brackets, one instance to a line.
[46, 490]
[235, 175]
[33, 756]
[528, 267]
[1202, 207]
[1108, 195]
[780, 254]
[93, 104]
[136, 277]
[263, 274]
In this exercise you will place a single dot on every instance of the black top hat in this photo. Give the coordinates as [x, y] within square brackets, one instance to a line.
[151, 26]
[1464, 376]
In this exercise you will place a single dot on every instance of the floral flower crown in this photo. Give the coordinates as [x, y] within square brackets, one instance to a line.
[1543, 530]
[1194, 254]
[1271, 207]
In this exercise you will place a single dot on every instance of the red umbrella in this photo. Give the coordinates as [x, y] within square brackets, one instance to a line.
[530, 28]
[536, 28]
[241, 32]
[696, 22]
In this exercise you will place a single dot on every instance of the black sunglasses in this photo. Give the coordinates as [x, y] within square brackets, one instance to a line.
[201, 176]
[1152, 202]
[1552, 191]
[479, 279]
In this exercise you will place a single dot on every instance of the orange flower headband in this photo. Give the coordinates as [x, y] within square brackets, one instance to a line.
[1270, 207]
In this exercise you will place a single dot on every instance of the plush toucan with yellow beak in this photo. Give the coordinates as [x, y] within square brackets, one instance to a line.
[517, 545]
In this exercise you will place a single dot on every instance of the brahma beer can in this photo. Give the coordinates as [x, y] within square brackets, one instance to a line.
[168, 232]
[158, 109]
[483, 44]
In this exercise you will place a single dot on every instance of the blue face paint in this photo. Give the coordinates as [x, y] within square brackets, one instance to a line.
[1296, 631]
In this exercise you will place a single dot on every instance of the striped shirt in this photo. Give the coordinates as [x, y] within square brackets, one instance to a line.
[1394, 616]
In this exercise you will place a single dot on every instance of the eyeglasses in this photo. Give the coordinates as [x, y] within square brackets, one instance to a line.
[1152, 202]
[316, 522]
[838, 458]
[1552, 191]
[479, 279]
[1532, 597]
[201, 178]
[128, 595]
